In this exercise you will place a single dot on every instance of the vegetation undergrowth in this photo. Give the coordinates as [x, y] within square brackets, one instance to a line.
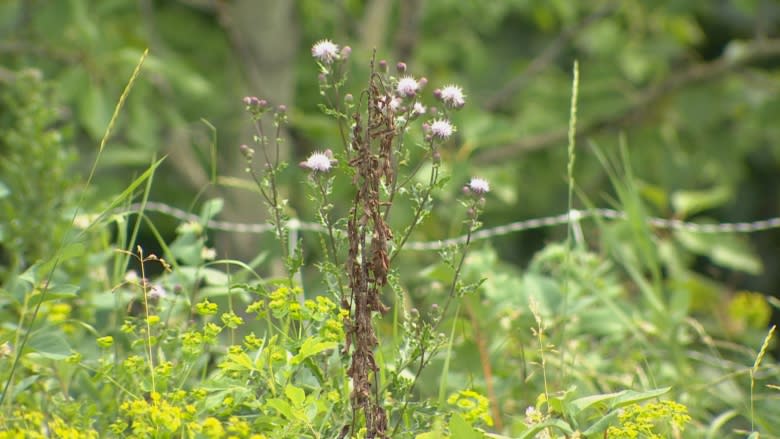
[344, 333]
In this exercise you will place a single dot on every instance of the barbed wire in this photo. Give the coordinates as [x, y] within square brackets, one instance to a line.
[519, 226]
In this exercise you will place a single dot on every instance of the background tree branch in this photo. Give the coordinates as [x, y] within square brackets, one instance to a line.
[736, 56]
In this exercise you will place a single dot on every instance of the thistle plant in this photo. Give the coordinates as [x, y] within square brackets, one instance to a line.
[382, 167]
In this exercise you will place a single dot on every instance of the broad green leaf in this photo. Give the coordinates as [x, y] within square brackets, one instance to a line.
[296, 395]
[95, 111]
[460, 429]
[687, 203]
[211, 208]
[49, 344]
[555, 424]
[726, 250]
[312, 346]
[602, 424]
[281, 406]
[630, 396]
[581, 404]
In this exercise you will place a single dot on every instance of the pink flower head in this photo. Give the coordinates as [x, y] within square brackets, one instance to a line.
[442, 129]
[319, 161]
[479, 186]
[418, 109]
[452, 96]
[407, 86]
[325, 51]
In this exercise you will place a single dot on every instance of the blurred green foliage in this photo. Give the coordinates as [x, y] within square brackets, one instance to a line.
[688, 89]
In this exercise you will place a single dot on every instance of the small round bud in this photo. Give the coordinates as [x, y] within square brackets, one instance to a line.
[401, 67]
[349, 98]
[345, 52]
[281, 108]
[423, 82]
[247, 152]
[382, 65]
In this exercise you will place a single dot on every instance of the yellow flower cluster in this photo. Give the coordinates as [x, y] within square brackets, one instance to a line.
[472, 405]
[33, 424]
[650, 421]
[171, 415]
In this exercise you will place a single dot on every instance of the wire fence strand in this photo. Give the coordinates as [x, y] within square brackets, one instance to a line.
[506, 229]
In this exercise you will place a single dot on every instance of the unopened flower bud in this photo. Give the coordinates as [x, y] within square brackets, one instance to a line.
[423, 82]
[382, 65]
[345, 52]
[349, 98]
[281, 108]
[401, 67]
[247, 152]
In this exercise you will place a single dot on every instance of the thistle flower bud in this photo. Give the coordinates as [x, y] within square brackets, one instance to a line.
[345, 52]
[401, 67]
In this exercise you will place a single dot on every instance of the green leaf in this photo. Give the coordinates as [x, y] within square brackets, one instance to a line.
[211, 208]
[49, 344]
[687, 203]
[312, 346]
[281, 406]
[602, 424]
[95, 111]
[296, 395]
[630, 396]
[557, 424]
[581, 404]
[460, 429]
[726, 250]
